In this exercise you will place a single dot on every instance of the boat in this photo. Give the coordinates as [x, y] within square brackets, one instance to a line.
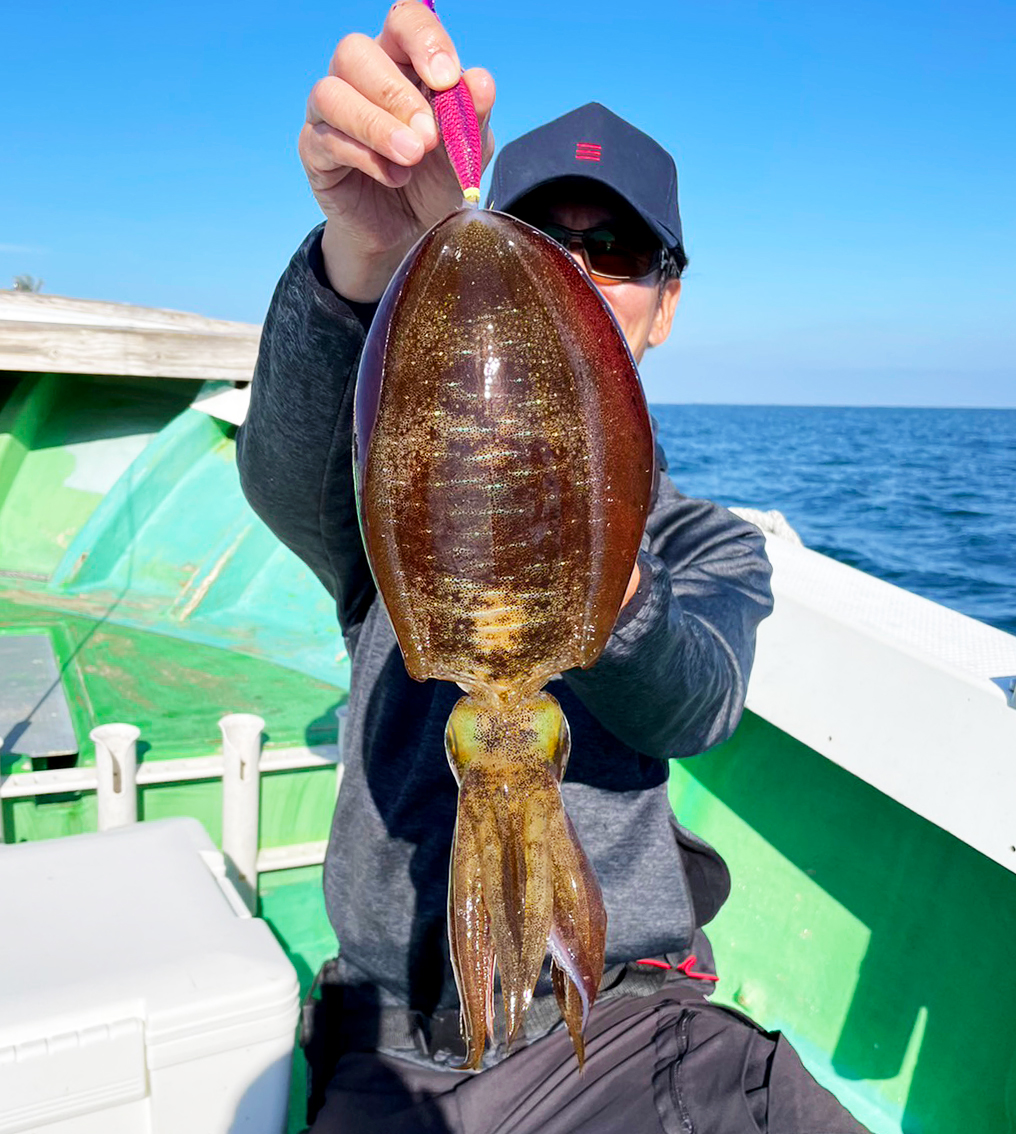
[865, 804]
[137, 588]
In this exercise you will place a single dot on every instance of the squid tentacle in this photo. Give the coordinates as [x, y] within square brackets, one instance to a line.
[470, 940]
[517, 892]
[578, 932]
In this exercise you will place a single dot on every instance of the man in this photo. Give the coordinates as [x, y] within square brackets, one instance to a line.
[670, 682]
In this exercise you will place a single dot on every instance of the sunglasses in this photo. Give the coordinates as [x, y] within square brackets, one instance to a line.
[609, 251]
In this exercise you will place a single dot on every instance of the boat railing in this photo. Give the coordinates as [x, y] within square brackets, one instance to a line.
[117, 775]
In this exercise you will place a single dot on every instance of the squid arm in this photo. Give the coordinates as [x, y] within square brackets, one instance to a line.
[520, 881]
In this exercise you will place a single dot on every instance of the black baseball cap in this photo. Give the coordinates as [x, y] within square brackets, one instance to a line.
[593, 142]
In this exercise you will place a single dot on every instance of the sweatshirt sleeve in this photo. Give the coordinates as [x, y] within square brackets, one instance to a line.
[294, 451]
[671, 680]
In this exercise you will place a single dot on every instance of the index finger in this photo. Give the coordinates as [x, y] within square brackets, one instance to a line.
[413, 36]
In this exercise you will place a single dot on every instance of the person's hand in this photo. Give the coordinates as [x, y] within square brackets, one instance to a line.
[370, 146]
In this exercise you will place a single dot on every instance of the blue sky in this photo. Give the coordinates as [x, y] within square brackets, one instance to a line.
[847, 171]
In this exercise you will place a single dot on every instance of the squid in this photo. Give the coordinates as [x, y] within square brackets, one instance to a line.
[503, 464]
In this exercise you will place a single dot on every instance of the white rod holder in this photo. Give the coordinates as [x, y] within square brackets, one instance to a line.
[241, 800]
[116, 767]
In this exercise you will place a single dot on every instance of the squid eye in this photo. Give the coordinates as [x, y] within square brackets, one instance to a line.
[452, 746]
[563, 745]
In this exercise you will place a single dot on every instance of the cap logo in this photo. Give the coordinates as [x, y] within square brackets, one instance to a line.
[587, 151]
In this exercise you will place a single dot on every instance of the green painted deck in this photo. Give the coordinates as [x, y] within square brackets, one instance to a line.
[292, 903]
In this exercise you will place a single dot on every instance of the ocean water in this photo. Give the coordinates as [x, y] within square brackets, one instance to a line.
[923, 498]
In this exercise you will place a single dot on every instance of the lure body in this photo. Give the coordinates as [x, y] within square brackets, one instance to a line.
[503, 463]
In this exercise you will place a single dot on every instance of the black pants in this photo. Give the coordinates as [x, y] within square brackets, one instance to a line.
[670, 1063]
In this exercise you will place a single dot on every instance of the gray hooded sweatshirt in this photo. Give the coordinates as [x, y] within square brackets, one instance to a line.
[670, 682]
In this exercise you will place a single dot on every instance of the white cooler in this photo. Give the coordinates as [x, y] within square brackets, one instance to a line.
[136, 992]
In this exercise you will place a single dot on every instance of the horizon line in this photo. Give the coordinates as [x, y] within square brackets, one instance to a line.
[828, 405]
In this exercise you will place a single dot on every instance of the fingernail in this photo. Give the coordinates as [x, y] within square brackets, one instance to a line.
[423, 125]
[444, 70]
[406, 144]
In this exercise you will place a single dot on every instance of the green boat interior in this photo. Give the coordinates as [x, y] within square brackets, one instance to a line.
[136, 586]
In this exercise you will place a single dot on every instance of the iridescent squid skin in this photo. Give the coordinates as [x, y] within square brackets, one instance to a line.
[503, 460]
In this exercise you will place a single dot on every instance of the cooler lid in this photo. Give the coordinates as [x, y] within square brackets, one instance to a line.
[136, 924]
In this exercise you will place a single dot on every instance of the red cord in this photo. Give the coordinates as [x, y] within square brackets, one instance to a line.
[686, 967]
